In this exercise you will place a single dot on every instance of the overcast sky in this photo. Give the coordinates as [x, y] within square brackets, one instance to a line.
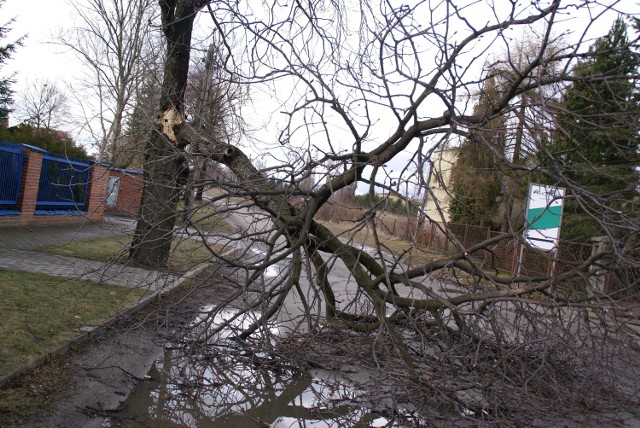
[40, 20]
[39, 58]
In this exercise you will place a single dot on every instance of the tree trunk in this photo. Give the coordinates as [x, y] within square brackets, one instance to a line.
[151, 245]
[512, 184]
[200, 179]
[154, 232]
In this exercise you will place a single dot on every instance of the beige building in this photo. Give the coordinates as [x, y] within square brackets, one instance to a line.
[438, 200]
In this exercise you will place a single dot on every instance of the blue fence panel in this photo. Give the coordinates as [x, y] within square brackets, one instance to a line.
[63, 185]
[11, 160]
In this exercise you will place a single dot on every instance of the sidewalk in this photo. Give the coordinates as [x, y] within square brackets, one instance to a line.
[29, 238]
[17, 247]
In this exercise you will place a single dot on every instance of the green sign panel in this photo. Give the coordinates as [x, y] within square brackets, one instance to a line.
[544, 217]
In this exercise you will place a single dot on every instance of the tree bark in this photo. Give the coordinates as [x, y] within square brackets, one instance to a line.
[151, 245]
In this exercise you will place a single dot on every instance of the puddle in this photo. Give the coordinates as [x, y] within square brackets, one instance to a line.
[224, 386]
[270, 271]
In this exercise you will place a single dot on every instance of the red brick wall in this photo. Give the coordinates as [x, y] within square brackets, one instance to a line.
[129, 193]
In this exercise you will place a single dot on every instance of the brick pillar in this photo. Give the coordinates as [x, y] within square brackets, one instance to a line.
[30, 183]
[97, 192]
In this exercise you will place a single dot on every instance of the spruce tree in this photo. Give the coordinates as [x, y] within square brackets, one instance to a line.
[475, 178]
[5, 82]
[596, 141]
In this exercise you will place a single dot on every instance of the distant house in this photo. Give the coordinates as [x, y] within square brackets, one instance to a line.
[438, 201]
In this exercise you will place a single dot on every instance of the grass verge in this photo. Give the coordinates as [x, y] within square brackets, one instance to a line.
[412, 254]
[40, 312]
[185, 253]
[205, 218]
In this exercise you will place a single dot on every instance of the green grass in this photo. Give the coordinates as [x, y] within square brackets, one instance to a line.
[205, 218]
[40, 312]
[185, 253]
[109, 249]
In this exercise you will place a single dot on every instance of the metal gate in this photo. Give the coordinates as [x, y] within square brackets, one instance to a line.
[11, 160]
[63, 185]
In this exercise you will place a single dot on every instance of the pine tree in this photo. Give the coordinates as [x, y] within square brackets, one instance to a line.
[597, 133]
[475, 178]
[5, 82]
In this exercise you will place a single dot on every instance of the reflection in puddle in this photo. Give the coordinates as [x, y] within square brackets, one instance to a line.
[271, 271]
[228, 387]
[235, 321]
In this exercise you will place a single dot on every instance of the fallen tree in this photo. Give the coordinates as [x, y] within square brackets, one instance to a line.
[360, 109]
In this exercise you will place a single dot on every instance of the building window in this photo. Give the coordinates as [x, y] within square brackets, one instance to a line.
[112, 191]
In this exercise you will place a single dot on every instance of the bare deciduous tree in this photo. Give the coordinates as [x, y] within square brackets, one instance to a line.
[43, 105]
[213, 102]
[114, 41]
[391, 93]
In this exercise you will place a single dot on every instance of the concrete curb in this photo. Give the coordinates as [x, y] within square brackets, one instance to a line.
[86, 336]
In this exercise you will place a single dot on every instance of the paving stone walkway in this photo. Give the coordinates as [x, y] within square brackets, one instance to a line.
[18, 245]
[31, 237]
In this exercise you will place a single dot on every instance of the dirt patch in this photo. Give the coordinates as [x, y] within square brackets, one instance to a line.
[33, 393]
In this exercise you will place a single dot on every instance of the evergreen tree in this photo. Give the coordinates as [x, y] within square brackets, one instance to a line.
[57, 143]
[129, 152]
[475, 178]
[5, 82]
[597, 134]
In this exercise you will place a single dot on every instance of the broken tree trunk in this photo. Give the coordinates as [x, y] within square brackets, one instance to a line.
[151, 245]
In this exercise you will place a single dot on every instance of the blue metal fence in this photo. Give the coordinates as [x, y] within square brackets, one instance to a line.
[11, 160]
[63, 185]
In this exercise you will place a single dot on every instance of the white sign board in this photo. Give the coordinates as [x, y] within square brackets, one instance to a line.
[544, 216]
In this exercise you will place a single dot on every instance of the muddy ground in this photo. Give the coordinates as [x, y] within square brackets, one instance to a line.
[90, 384]
[87, 385]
